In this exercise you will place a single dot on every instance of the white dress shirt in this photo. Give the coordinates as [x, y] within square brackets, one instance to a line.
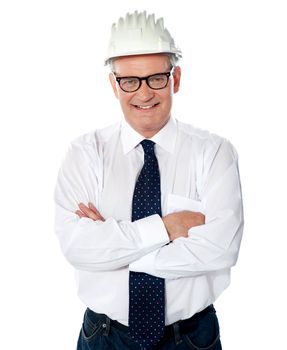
[199, 172]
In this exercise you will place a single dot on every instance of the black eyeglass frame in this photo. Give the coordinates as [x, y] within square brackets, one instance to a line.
[168, 74]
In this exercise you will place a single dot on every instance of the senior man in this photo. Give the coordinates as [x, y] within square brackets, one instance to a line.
[149, 210]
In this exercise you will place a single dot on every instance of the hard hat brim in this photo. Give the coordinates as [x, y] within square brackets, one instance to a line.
[177, 54]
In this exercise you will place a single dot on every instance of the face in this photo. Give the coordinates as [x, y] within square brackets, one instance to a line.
[146, 110]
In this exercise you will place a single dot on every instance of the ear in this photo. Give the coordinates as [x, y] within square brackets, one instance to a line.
[114, 84]
[176, 78]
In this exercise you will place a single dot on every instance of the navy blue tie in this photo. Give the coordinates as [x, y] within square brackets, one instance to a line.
[146, 292]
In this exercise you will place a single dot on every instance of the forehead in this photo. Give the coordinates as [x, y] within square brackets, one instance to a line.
[141, 65]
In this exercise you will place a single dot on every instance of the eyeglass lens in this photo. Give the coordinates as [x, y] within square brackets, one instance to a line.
[157, 81]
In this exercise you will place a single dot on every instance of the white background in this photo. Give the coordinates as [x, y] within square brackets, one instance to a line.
[54, 88]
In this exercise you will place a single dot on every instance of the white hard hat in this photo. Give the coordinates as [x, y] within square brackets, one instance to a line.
[139, 34]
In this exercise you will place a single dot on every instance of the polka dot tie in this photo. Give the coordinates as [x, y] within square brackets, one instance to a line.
[146, 292]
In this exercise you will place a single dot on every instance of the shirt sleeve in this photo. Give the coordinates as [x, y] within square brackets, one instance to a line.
[214, 245]
[96, 245]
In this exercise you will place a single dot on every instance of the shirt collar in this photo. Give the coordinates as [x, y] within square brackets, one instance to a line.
[165, 138]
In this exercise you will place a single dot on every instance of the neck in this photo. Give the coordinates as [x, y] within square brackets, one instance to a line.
[149, 133]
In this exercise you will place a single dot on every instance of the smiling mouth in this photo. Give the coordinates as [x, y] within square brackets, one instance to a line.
[146, 107]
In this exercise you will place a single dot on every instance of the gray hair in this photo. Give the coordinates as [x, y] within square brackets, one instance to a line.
[172, 58]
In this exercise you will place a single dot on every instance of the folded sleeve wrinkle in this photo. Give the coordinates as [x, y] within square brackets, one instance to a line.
[95, 245]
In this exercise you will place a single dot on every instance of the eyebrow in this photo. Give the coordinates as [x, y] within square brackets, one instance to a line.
[135, 76]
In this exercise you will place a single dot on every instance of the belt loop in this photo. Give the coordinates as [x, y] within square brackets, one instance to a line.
[106, 326]
[177, 335]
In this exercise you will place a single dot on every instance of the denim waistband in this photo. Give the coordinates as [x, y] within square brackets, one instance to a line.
[181, 324]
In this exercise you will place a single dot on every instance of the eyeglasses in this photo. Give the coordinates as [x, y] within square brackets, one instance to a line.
[155, 81]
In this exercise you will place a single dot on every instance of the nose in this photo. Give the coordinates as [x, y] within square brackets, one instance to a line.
[145, 93]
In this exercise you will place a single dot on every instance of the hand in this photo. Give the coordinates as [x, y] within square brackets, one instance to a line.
[178, 224]
[89, 212]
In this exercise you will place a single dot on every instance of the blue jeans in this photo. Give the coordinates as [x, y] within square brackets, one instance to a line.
[200, 332]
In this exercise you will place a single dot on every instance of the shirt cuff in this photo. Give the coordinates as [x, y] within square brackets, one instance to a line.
[152, 231]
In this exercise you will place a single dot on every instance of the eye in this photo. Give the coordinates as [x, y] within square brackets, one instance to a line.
[129, 82]
[157, 81]
[158, 78]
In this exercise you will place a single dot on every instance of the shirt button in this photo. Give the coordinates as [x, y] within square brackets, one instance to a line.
[104, 325]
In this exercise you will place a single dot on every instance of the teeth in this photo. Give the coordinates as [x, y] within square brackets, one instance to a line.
[145, 107]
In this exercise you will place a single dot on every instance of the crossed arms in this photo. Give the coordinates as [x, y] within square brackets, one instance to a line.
[176, 224]
[200, 243]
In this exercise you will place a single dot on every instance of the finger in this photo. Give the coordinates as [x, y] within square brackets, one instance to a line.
[84, 208]
[92, 207]
[88, 212]
[80, 214]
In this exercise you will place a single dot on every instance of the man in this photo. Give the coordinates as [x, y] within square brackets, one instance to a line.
[149, 210]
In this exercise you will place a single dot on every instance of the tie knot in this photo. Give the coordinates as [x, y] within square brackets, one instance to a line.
[148, 146]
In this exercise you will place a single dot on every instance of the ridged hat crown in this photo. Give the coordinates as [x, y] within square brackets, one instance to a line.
[139, 34]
